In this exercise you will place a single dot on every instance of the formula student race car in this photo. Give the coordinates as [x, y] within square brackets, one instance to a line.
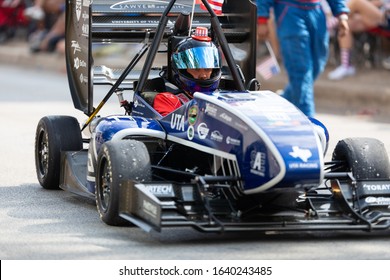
[240, 159]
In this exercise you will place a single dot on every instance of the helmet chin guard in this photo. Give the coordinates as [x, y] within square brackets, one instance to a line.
[190, 85]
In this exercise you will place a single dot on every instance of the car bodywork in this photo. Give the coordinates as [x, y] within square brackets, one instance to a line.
[240, 159]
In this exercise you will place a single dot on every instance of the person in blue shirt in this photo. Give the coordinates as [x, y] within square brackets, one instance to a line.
[304, 40]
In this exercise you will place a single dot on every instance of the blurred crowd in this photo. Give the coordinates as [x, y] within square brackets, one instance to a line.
[43, 21]
[369, 30]
[367, 43]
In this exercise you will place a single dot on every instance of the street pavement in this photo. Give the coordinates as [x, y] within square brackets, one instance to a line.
[366, 93]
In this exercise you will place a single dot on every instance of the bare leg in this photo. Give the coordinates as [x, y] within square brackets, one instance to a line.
[364, 15]
[272, 35]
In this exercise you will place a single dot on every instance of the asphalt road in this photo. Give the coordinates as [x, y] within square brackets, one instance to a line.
[37, 224]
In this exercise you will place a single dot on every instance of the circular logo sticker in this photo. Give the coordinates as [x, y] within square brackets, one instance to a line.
[190, 132]
[192, 114]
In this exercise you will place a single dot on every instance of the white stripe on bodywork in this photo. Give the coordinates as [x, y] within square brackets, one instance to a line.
[202, 148]
[138, 131]
[160, 134]
[321, 155]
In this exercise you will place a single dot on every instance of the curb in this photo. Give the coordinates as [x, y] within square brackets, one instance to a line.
[17, 53]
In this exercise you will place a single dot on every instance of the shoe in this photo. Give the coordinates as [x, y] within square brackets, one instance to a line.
[386, 63]
[35, 13]
[341, 72]
[35, 40]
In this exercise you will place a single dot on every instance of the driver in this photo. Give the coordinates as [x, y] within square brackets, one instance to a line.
[196, 62]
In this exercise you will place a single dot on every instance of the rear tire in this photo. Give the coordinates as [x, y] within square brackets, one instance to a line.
[119, 161]
[366, 158]
[53, 135]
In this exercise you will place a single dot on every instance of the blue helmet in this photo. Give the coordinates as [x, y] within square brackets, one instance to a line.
[196, 52]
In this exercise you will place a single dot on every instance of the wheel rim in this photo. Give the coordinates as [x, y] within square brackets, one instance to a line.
[43, 154]
[105, 185]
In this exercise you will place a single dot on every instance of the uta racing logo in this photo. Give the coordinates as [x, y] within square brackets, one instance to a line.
[177, 122]
[303, 154]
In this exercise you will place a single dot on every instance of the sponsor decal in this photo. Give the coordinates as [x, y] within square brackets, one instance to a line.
[377, 200]
[203, 130]
[83, 79]
[136, 21]
[79, 63]
[160, 190]
[277, 116]
[177, 122]
[149, 208]
[233, 141]
[241, 126]
[309, 186]
[192, 114]
[76, 47]
[78, 9]
[377, 187]
[211, 110]
[156, 4]
[257, 163]
[99, 138]
[225, 117]
[85, 16]
[190, 132]
[139, 104]
[303, 154]
[303, 165]
[90, 166]
[85, 29]
[216, 136]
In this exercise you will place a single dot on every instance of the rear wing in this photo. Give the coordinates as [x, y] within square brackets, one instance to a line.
[91, 25]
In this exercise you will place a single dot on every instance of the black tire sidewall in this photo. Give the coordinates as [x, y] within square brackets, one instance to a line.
[366, 158]
[63, 134]
[127, 160]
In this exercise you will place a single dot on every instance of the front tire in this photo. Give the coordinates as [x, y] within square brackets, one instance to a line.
[53, 135]
[119, 161]
[366, 158]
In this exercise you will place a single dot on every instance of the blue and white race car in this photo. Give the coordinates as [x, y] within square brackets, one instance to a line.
[240, 159]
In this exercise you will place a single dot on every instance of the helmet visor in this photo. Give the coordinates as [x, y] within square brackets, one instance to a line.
[196, 58]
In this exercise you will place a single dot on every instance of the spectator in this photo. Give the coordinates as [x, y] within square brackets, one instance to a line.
[35, 12]
[11, 17]
[364, 15]
[54, 37]
[304, 41]
[50, 30]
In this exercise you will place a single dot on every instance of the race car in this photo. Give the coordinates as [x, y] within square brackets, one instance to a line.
[239, 159]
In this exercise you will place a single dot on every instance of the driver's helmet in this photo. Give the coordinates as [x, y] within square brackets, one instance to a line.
[197, 52]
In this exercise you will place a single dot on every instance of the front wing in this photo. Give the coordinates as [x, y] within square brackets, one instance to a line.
[209, 204]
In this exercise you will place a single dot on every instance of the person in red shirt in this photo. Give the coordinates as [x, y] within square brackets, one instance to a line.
[196, 62]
